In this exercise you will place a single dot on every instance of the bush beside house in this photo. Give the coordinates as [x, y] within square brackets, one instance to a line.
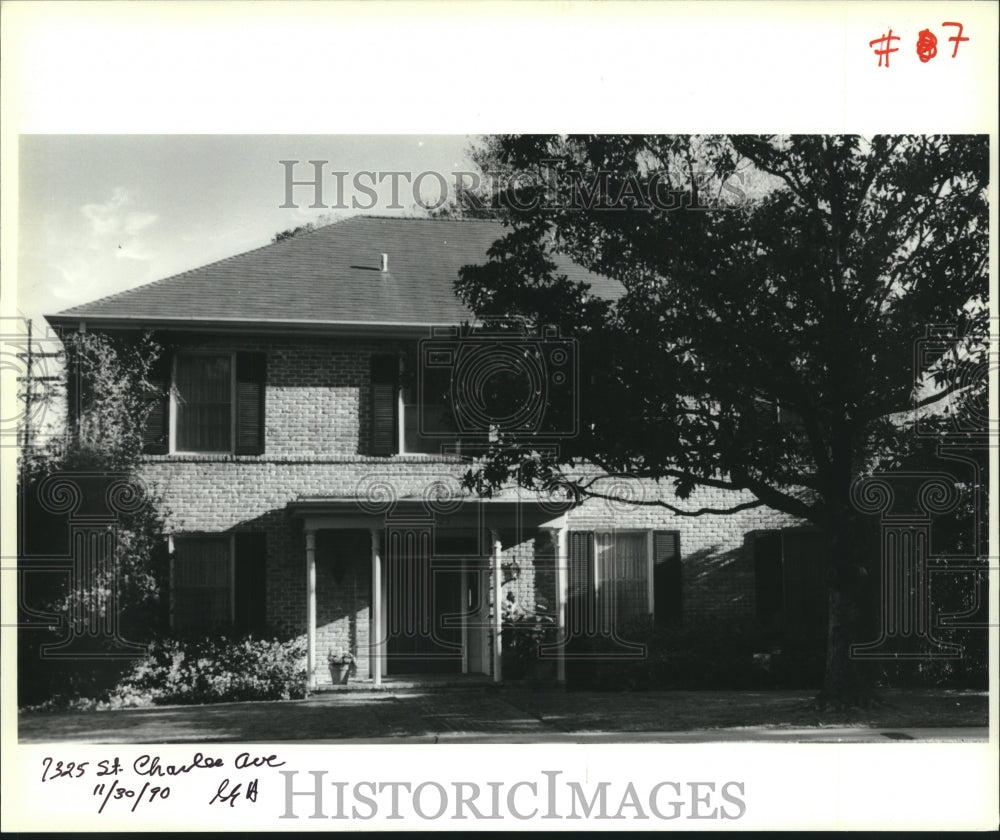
[220, 670]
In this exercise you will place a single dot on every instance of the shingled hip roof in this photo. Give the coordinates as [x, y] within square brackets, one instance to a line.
[331, 276]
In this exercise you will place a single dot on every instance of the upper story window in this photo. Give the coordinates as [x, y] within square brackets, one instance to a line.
[203, 396]
[411, 415]
[207, 402]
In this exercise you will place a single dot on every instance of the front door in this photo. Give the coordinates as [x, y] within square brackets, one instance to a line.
[424, 603]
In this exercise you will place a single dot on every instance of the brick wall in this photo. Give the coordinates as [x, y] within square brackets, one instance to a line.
[717, 576]
[318, 391]
[317, 436]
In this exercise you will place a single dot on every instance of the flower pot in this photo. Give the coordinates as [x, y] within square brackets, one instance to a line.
[339, 674]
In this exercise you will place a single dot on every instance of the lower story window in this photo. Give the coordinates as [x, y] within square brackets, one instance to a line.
[622, 561]
[218, 582]
[618, 576]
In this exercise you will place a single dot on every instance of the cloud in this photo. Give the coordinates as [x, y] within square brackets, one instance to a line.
[87, 251]
[114, 216]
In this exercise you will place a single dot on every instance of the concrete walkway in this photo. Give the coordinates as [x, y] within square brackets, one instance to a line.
[521, 715]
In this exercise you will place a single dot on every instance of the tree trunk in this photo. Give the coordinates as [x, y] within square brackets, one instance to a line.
[846, 683]
[843, 684]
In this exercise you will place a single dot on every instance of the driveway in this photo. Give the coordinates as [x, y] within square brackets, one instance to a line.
[515, 715]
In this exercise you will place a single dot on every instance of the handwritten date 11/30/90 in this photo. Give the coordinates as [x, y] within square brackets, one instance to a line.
[115, 791]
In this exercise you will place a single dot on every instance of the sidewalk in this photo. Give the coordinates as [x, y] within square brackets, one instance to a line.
[524, 715]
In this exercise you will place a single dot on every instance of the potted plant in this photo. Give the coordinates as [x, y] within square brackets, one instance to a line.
[340, 662]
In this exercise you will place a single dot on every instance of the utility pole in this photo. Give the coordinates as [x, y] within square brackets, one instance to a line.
[29, 379]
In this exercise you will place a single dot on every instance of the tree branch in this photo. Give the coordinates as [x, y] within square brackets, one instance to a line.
[593, 494]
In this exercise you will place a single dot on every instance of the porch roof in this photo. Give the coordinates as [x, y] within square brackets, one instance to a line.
[502, 513]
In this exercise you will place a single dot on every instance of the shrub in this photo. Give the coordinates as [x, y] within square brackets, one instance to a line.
[702, 657]
[214, 671]
[522, 632]
[521, 635]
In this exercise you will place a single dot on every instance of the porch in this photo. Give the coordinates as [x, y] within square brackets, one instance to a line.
[425, 581]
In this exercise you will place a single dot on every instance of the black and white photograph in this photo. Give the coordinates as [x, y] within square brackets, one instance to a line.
[647, 465]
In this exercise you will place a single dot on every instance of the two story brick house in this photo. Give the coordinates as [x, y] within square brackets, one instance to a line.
[313, 490]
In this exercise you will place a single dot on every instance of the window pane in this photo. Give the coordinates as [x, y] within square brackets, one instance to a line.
[622, 576]
[632, 573]
[201, 583]
[204, 403]
[427, 408]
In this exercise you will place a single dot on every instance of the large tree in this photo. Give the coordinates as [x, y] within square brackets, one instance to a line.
[97, 454]
[760, 276]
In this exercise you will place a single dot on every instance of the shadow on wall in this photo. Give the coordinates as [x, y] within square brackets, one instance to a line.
[718, 585]
[276, 585]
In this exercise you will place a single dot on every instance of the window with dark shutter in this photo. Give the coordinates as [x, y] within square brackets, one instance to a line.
[201, 588]
[156, 434]
[251, 374]
[622, 575]
[666, 577]
[203, 385]
[250, 567]
[385, 382]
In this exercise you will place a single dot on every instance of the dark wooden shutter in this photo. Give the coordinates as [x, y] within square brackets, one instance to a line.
[249, 586]
[768, 582]
[156, 435]
[385, 381]
[667, 600]
[251, 374]
[803, 566]
[581, 607]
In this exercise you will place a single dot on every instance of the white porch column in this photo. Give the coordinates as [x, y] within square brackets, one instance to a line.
[375, 648]
[497, 608]
[311, 609]
[562, 586]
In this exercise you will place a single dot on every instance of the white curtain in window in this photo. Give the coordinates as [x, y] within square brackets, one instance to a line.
[622, 576]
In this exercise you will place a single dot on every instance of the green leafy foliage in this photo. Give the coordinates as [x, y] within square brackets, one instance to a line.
[523, 631]
[176, 671]
[105, 383]
[774, 277]
[215, 671]
[291, 233]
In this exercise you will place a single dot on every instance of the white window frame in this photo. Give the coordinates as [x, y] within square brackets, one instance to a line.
[202, 535]
[592, 535]
[401, 429]
[232, 402]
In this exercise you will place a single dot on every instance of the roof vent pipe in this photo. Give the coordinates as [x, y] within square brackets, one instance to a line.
[385, 263]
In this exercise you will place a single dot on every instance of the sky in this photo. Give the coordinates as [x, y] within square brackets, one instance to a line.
[102, 214]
